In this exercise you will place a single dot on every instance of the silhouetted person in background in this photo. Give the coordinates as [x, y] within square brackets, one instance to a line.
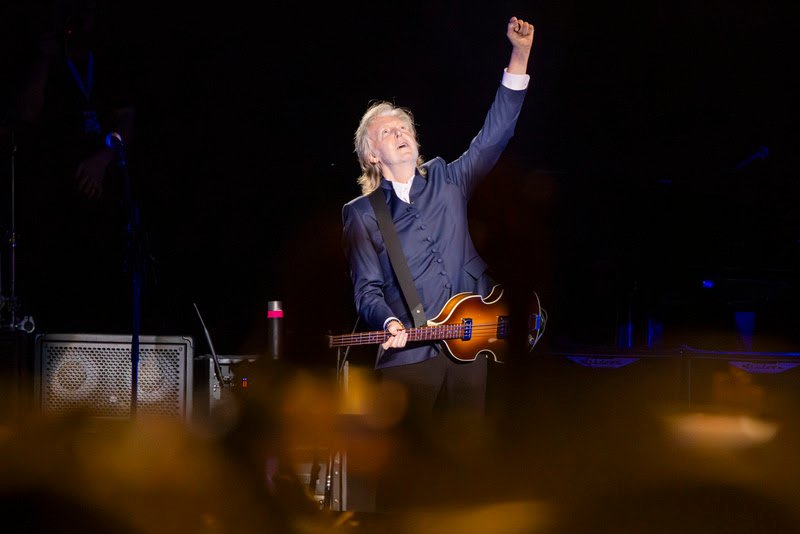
[73, 208]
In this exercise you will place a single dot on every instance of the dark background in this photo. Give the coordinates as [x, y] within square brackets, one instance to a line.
[656, 150]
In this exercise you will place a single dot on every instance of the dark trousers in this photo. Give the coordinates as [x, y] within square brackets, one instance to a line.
[442, 385]
[446, 404]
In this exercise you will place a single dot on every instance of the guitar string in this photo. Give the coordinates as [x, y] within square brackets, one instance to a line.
[416, 334]
[420, 334]
[426, 329]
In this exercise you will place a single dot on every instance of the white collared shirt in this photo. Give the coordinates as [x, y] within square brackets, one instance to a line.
[403, 190]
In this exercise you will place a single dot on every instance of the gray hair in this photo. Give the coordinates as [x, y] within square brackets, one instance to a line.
[370, 172]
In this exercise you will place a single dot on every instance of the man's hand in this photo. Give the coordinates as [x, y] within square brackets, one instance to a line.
[91, 172]
[398, 336]
[520, 34]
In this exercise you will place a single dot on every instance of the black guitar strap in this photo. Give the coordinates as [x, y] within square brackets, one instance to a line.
[398, 259]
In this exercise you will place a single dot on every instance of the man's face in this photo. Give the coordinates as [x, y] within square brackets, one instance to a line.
[391, 141]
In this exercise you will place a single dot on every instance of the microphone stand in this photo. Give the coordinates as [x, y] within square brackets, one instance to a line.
[26, 323]
[114, 141]
[11, 299]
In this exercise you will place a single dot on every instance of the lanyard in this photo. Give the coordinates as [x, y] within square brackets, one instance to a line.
[86, 88]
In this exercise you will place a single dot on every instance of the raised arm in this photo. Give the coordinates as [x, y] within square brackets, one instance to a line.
[520, 34]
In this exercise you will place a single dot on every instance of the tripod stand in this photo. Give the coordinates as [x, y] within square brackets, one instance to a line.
[9, 306]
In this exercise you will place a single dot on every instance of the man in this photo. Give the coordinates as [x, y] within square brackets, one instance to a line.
[428, 205]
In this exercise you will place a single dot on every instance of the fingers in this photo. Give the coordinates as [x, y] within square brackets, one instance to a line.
[91, 192]
[520, 27]
[94, 192]
[88, 187]
[398, 336]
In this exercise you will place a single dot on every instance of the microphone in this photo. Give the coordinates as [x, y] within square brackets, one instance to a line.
[114, 140]
[115, 143]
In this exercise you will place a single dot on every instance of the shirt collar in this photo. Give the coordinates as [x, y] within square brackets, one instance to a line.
[403, 190]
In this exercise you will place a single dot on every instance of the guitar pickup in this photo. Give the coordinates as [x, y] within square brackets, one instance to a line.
[503, 327]
[467, 324]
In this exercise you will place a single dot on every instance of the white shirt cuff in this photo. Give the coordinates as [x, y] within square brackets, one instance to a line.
[389, 320]
[517, 82]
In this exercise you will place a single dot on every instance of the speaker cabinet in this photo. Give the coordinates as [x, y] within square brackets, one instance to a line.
[92, 373]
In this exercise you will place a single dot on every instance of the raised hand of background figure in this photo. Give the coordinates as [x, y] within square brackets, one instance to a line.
[91, 171]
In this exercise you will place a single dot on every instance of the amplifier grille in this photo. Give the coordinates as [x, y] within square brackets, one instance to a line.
[92, 373]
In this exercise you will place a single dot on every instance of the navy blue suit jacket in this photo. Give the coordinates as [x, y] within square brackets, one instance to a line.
[433, 231]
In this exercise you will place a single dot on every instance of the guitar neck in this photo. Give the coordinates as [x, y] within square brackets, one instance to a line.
[422, 333]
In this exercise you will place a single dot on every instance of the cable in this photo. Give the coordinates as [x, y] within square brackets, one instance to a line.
[539, 326]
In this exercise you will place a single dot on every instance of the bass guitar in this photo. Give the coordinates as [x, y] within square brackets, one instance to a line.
[468, 325]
